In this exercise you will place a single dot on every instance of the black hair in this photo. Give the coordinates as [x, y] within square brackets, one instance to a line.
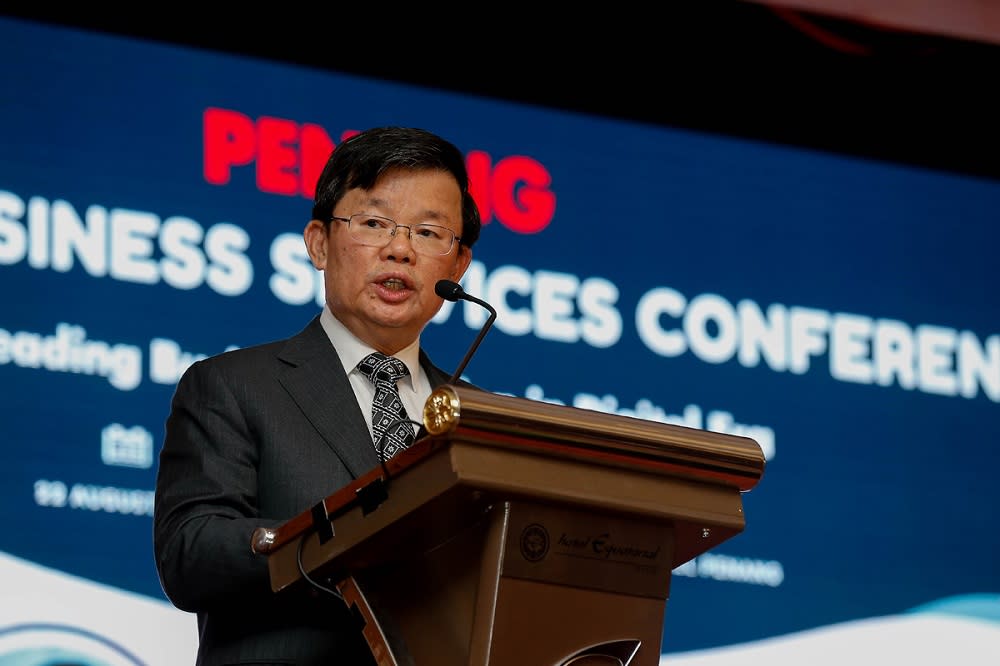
[360, 161]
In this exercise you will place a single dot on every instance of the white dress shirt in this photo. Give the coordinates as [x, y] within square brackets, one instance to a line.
[414, 389]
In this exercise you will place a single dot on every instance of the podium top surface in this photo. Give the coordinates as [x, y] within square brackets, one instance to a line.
[501, 420]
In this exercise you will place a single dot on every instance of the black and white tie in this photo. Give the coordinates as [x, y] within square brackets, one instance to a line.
[391, 431]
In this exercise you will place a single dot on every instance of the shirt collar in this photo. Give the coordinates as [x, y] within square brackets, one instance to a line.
[351, 349]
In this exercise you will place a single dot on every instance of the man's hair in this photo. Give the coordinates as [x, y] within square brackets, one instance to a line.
[361, 160]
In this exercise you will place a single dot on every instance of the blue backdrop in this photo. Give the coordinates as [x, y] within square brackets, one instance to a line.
[841, 311]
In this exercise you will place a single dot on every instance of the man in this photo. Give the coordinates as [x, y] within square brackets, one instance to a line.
[258, 435]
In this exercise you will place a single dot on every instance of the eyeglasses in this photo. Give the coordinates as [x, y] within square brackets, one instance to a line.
[375, 231]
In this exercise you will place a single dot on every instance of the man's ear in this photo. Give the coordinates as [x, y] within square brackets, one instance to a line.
[462, 262]
[315, 236]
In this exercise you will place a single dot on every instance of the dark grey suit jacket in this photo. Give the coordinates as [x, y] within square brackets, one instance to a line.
[255, 437]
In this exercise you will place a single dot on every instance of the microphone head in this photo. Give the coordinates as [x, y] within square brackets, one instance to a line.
[448, 290]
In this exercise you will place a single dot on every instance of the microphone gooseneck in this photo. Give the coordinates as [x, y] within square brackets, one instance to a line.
[452, 291]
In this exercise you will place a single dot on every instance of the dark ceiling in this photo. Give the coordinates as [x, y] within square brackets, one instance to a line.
[729, 67]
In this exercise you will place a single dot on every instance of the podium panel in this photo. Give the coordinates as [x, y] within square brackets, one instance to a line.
[524, 585]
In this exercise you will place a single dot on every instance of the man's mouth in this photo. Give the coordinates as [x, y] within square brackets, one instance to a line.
[394, 284]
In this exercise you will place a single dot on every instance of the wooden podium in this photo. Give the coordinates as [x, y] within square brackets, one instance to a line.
[520, 533]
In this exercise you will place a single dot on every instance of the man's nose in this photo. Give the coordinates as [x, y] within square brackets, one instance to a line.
[399, 238]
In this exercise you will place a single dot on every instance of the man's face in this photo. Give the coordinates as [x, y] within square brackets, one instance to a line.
[385, 295]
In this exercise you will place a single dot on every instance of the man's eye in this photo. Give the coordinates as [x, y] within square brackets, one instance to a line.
[428, 232]
[376, 223]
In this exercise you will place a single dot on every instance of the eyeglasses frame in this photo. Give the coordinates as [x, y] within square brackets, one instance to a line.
[455, 238]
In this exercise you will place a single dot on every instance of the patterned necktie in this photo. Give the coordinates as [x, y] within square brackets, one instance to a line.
[391, 434]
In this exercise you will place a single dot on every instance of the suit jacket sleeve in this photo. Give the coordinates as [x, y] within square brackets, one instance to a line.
[205, 504]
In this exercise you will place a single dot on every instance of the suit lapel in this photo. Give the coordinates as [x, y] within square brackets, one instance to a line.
[316, 381]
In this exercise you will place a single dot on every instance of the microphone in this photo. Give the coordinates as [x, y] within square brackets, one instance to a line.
[372, 495]
[452, 291]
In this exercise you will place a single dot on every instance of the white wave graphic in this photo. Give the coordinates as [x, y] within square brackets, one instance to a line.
[916, 639]
[963, 631]
[42, 608]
